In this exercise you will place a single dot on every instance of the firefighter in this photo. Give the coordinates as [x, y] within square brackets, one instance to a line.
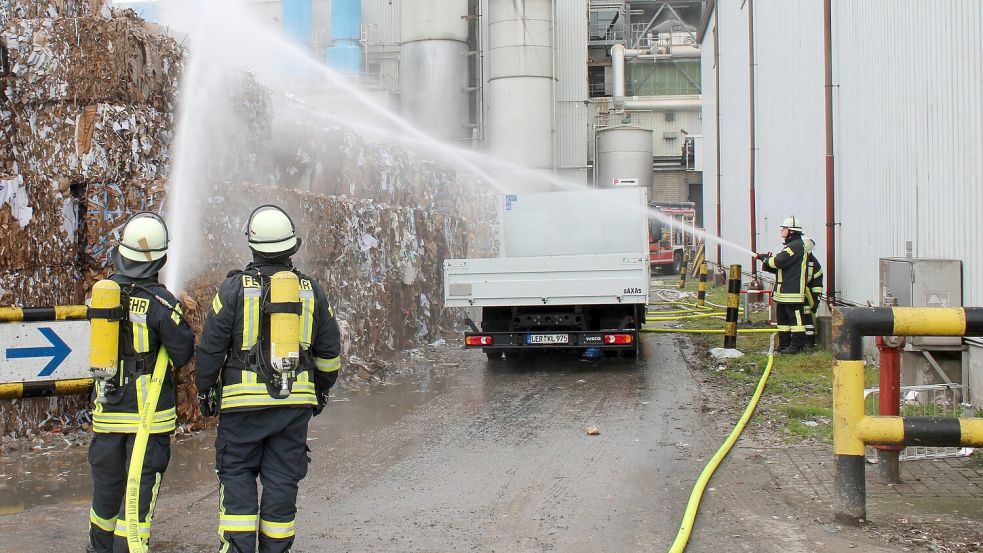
[262, 431]
[790, 267]
[150, 317]
[814, 289]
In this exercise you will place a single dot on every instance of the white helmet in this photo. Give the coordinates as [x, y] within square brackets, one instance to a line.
[792, 223]
[142, 249]
[271, 232]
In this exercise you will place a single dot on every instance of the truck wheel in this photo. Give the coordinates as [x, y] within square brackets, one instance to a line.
[677, 263]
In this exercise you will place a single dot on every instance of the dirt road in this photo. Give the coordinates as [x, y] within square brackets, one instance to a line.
[459, 454]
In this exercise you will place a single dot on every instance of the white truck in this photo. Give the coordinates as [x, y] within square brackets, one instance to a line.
[572, 272]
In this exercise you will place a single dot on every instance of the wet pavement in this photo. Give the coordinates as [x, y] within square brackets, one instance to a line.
[456, 453]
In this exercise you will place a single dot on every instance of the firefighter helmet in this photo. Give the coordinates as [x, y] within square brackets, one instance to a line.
[271, 232]
[142, 249]
[792, 223]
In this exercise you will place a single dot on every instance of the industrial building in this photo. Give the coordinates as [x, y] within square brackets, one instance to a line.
[539, 84]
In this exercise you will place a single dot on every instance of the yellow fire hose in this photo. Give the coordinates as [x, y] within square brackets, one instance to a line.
[710, 331]
[686, 527]
[679, 317]
[147, 412]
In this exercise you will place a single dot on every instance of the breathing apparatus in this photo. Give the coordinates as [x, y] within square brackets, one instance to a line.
[105, 314]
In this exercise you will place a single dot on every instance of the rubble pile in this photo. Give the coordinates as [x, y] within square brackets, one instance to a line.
[87, 120]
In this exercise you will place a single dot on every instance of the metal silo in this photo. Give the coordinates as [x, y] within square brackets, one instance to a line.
[433, 66]
[345, 53]
[624, 157]
[519, 122]
[297, 18]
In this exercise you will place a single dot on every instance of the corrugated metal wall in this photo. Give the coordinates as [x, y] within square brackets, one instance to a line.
[909, 130]
[572, 116]
[690, 121]
[909, 136]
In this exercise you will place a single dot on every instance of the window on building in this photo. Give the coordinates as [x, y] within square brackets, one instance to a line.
[664, 78]
[596, 84]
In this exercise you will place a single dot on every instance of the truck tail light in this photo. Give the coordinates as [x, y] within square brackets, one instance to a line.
[618, 339]
[478, 340]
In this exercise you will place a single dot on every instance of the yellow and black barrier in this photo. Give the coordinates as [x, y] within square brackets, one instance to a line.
[852, 429]
[701, 288]
[19, 390]
[733, 304]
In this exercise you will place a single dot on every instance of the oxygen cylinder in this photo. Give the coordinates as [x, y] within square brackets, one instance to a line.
[285, 327]
[104, 335]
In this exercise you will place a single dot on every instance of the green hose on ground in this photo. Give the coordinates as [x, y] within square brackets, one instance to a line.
[686, 527]
[147, 412]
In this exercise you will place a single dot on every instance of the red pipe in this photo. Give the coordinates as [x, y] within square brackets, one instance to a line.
[890, 383]
[752, 135]
[830, 166]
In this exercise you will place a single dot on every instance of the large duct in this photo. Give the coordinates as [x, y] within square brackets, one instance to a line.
[618, 75]
[624, 157]
[298, 16]
[433, 66]
[345, 53]
[519, 120]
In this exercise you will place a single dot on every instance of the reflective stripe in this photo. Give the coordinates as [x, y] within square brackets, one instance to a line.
[141, 334]
[237, 523]
[233, 390]
[143, 526]
[307, 314]
[798, 326]
[783, 328]
[264, 400]
[177, 315]
[328, 365]
[250, 316]
[277, 529]
[106, 524]
[127, 423]
[216, 304]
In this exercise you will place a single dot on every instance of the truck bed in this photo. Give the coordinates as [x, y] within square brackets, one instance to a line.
[601, 279]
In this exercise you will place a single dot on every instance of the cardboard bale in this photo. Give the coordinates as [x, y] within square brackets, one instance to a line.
[32, 9]
[92, 143]
[38, 223]
[41, 286]
[20, 417]
[88, 60]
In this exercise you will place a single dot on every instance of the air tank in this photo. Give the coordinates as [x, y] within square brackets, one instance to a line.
[519, 96]
[433, 66]
[624, 157]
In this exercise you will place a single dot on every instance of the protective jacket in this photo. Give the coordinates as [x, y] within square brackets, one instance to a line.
[146, 326]
[237, 324]
[814, 279]
[790, 268]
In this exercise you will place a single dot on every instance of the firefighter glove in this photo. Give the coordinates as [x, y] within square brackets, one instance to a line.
[322, 400]
[208, 402]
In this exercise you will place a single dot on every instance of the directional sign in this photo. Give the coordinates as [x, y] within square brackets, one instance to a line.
[34, 352]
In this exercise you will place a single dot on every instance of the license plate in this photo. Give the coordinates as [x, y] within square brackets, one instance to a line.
[548, 338]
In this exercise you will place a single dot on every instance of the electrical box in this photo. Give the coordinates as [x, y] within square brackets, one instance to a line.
[918, 282]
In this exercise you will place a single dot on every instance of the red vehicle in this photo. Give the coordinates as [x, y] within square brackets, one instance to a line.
[668, 243]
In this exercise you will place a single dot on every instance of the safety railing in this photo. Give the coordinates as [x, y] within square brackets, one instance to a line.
[853, 429]
[54, 356]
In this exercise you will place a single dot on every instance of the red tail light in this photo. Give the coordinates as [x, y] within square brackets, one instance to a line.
[617, 339]
[478, 340]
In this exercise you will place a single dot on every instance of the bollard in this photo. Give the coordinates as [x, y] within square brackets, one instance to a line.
[889, 465]
[701, 290]
[684, 270]
[733, 300]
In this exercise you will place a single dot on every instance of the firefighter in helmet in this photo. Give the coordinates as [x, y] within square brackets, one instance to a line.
[813, 291]
[265, 405]
[790, 268]
[149, 317]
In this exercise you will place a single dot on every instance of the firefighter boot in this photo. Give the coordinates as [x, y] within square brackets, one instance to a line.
[797, 344]
[784, 341]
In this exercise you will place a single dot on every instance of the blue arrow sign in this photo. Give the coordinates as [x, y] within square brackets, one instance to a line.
[58, 351]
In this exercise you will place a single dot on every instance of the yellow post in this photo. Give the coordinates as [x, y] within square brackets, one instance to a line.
[104, 336]
[848, 445]
[285, 328]
[701, 290]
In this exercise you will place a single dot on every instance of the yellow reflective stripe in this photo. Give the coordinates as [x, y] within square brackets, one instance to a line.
[106, 524]
[266, 401]
[250, 316]
[121, 417]
[307, 314]
[233, 390]
[177, 315]
[141, 334]
[120, 529]
[127, 423]
[237, 523]
[277, 529]
[216, 304]
[771, 262]
[328, 365]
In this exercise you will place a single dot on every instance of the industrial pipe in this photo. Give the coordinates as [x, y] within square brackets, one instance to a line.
[663, 104]
[752, 137]
[889, 466]
[830, 167]
[618, 55]
[716, 86]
